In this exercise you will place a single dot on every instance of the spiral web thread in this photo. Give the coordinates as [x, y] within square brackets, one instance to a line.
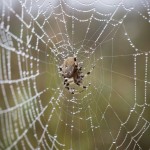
[37, 112]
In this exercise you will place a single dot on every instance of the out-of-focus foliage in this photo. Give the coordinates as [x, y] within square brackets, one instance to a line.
[35, 109]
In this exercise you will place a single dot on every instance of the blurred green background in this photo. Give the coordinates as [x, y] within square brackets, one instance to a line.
[36, 111]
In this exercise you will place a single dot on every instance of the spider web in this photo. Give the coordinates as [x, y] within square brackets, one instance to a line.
[37, 112]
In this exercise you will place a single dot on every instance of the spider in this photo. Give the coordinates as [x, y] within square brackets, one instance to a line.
[72, 73]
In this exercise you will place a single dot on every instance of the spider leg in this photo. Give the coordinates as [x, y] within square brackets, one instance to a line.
[75, 59]
[71, 90]
[67, 82]
[83, 86]
[88, 73]
[79, 82]
[60, 70]
[79, 69]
